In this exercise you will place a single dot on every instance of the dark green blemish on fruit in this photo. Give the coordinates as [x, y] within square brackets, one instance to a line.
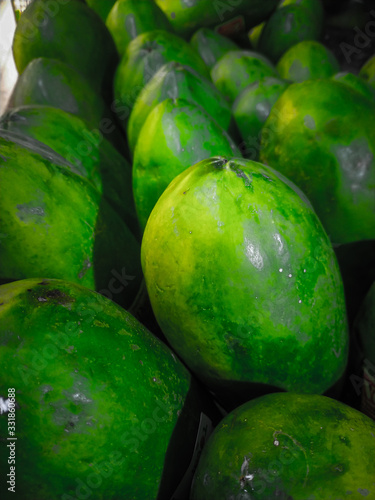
[55, 295]
[6, 335]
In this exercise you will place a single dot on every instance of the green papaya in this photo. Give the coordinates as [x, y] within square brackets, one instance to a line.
[53, 83]
[129, 18]
[252, 107]
[175, 135]
[55, 223]
[289, 446]
[103, 409]
[211, 46]
[89, 151]
[307, 60]
[70, 32]
[244, 282]
[174, 80]
[310, 138]
[144, 56]
[290, 24]
[237, 69]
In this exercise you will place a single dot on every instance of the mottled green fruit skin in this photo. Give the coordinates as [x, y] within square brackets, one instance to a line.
[287, 26]
[243, 280]
[309, 137]
[211, 46]
[187, 17]
[100, 400]
[53, 83]
[90, 153]
[239, 68]
[307, 60]
[129, 18]
[88, 46]
[367, 71]
[289, 446]
[356, 83]
[174, 80]
[176, 135]
[144, 56]
[56, 224]
[253, 105]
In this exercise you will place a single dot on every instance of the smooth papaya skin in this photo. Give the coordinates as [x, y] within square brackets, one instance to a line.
[253, 105]
[289, 446]
[174, 80]
[243, 280]
[92, 155]
[176, 135]
[104, 408]
[289, 25]
[144, 56]
[237, 69]
[307, 60]
[309, 137]
[211, 45]
[56, 224]
[68, 31]
[129, 18]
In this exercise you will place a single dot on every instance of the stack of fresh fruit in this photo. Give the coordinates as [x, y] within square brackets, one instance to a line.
[187, 253]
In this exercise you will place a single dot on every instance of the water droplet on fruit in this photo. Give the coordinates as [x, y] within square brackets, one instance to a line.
[253, 254]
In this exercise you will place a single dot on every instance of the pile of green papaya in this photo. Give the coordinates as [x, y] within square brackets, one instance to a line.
[187, 251]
